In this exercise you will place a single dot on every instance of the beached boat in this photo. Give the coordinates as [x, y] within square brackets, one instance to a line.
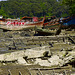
[69, 22]
[24, 23]
[54, 23]
[48, 31]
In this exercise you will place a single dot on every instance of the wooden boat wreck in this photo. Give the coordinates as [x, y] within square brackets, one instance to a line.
[24, 23]
[48, 31]
[54, 23]
[51, 22]
[54, 26]
[45, 32]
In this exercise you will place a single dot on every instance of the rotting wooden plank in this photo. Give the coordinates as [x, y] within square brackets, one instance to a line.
[13, 72]
[53, 72]
[20, 73]
[29, 71]
[9, 72]
[40, 72]
[67, 67]
[72, 41]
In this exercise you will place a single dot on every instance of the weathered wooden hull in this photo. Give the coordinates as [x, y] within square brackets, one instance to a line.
[52, 26]
[45, 31]
[68, 22]
[20, 27]
[14, 27]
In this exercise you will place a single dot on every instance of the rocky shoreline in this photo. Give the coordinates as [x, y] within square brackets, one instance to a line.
[48, 51]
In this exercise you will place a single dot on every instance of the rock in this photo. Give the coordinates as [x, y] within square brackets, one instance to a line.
[72, 53]
[21, 61]
[12, 48]
[55, 61]
[4, 64]
[42, 62]
[16, 56]
[62, 54]
[12, 56]
[36, 52]
[69, 59]
[46, 54]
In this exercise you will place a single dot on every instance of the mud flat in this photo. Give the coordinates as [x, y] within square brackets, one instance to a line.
[24, 54]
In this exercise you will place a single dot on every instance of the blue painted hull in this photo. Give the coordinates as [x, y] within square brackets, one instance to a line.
[69, 23]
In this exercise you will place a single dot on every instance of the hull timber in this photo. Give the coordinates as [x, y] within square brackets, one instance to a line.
[53, 26]
[54, 23]
[45, 31]
[19, 25]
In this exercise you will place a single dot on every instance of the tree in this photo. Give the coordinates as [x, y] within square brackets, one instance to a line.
[71, 5]
[39, 8]
[2, 12]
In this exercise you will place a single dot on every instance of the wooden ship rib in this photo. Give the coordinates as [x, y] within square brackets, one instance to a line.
[54, 25]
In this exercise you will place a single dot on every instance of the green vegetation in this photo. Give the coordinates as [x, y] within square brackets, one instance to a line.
[39, 8]
[71, 5]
